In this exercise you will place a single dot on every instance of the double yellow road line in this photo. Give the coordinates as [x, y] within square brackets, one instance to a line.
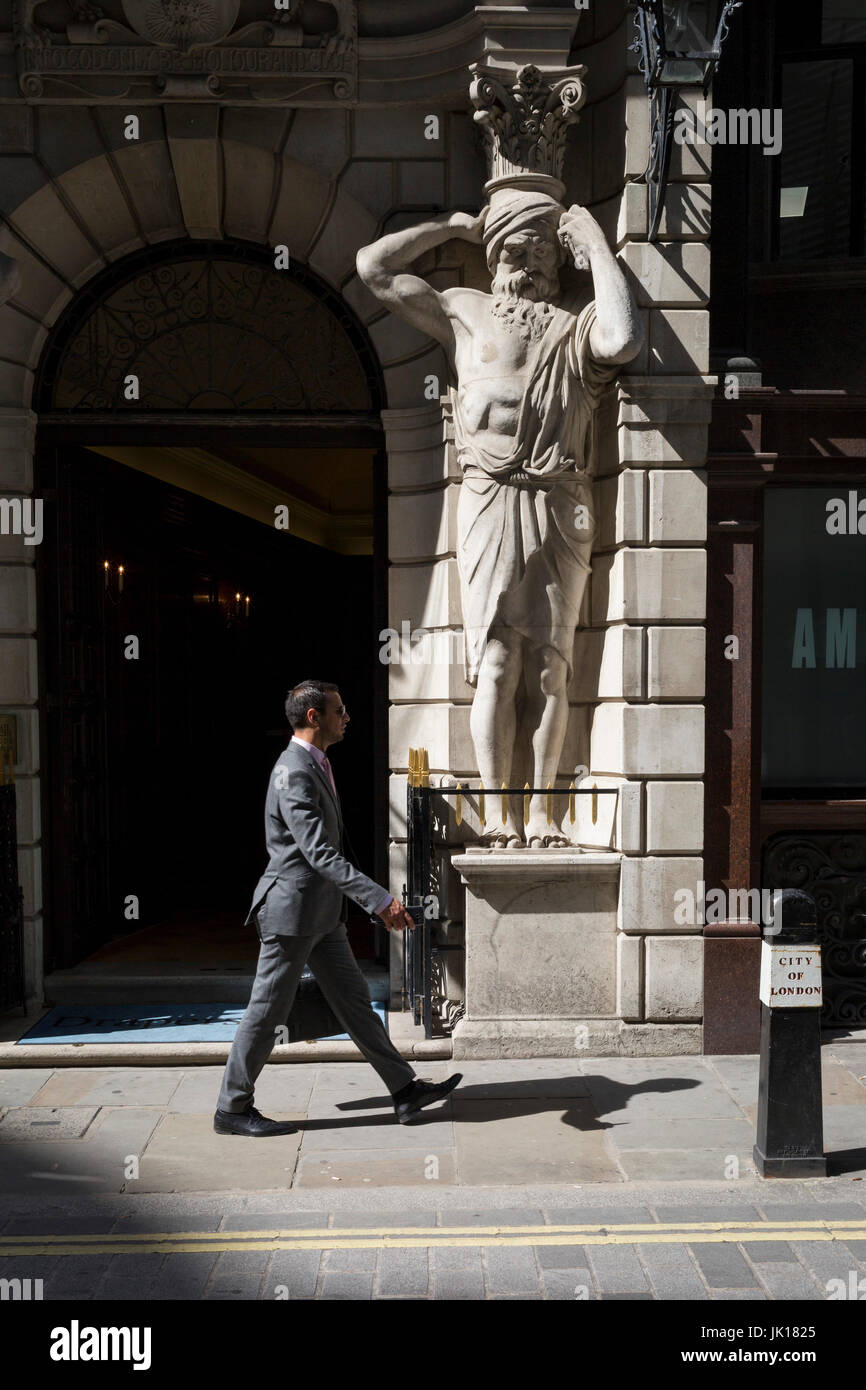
[404, 1237]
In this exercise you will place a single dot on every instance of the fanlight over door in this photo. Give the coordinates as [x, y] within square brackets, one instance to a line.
[207, 329]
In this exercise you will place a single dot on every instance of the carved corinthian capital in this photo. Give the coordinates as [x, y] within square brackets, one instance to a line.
[525, 122]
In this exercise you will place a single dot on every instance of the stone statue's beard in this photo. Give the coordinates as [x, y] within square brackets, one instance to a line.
[517, 313]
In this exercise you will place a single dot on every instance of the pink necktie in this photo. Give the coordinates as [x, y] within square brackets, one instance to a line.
[327, 766]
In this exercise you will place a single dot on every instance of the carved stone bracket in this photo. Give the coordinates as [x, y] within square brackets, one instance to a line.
[157, 50]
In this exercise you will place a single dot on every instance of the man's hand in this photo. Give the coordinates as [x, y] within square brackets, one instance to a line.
[467, 227]
[395, 916]
[580, 234]
[617, 333]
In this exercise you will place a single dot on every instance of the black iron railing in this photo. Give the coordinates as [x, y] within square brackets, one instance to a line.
[11, 896]
[422, 957]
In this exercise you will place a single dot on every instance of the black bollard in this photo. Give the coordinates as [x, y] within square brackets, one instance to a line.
[790, 1137]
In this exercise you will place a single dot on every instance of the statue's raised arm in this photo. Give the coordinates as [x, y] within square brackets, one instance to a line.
[383, 268]
[617, 333]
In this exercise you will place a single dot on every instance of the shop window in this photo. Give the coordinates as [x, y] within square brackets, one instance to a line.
[819, 178]
[815, 173]
[843, 21]
[814, 642]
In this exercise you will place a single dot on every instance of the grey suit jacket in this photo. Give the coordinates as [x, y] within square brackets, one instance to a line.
[301, 893]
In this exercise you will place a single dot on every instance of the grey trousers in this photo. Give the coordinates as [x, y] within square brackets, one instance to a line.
[281, 963]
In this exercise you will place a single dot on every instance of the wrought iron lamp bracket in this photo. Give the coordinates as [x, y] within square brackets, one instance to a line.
[653, 57]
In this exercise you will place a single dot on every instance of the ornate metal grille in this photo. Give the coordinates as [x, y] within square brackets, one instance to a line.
[831, 866]
[209, 329]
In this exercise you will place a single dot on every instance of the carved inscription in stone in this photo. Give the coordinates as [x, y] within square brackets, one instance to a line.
[181, 48]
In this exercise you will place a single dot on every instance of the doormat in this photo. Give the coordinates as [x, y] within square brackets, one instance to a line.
[147, 1023]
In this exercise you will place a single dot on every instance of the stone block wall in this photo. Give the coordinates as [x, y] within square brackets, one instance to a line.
[19, 682]
[649, 583]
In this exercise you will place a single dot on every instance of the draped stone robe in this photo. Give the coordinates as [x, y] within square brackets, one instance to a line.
[523, 562]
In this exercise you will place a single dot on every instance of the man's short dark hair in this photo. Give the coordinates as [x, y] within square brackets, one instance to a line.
[307, 695]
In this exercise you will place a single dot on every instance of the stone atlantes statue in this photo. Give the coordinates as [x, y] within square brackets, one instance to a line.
[529, 372]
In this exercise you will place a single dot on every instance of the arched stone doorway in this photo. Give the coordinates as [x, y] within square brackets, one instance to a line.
[189, 398]
[254, 179]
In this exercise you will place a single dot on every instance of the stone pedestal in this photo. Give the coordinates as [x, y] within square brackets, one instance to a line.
[541, 971]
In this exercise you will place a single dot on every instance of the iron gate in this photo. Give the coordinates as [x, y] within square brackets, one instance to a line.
[423, 972]
[418, 897]
[11, 896]
[831, 867]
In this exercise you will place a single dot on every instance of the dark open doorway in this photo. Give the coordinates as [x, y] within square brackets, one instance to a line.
[175, 612]
[172, 629]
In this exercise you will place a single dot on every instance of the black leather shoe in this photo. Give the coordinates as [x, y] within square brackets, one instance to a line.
[250, 1123]
[422, 1093]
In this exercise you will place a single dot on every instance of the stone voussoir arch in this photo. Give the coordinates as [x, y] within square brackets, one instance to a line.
[81, 221]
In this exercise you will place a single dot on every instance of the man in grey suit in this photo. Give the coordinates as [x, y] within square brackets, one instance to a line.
[299, 909]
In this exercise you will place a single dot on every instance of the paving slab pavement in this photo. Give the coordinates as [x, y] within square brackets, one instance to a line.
[550, 1140]
[607, 1120]
[537, 1179]
[376, 1167]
